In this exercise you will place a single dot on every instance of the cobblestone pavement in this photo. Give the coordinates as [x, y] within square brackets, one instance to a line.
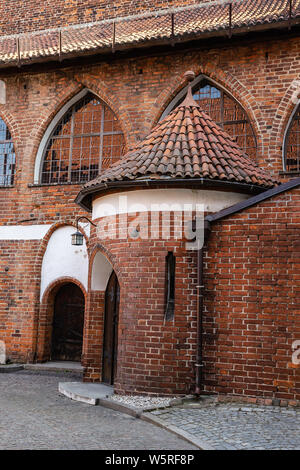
[33, 415]
[233, 426]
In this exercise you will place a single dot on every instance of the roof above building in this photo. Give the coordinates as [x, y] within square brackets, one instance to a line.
[253, 201]
[175, 25]
[187, 145]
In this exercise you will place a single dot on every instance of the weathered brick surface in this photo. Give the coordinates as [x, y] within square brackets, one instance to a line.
[18, 302]
[262, 76]
[252, 307]
[29, 15]
[154, 355]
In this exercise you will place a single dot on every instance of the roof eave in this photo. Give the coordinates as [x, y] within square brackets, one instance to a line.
[85, 197]
[143, 44]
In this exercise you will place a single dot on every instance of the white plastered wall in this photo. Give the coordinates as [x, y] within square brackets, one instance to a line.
[151, 200]
[101, 271]
[2, 92]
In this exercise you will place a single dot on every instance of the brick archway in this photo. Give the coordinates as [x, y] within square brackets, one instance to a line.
[38, 130]
[99, 88]
[95, 313]
[284, 113]
[46, 316]
[37, 274]
[10, 121]
[13, 127]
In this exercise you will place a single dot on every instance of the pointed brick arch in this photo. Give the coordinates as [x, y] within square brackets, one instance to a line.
[12, 124]
[7, 151]
[282, 121]
[223, 79]
[103, 91]
[55, 105]
[69, 100]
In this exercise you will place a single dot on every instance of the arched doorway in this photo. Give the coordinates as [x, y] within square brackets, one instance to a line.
[67, 327]
[110, 340]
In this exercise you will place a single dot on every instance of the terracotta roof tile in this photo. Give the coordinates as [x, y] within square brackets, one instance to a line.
[191, 21]
[201, 149]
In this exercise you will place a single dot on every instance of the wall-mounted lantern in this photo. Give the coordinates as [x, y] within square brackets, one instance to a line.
[77, 237]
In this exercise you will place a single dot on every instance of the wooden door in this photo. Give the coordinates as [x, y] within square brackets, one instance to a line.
[67, 331]
[110, 340]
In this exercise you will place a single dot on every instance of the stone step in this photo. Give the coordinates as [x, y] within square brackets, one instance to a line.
[6, 368]
[56, 366]
[89, 393]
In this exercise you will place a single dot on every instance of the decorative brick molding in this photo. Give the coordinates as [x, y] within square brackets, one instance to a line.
[66, 89]
[13, 127]
[102, 89]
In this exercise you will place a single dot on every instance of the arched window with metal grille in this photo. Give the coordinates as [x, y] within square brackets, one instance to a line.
[291, 156]
[87, 139]
[224, 110]
[7, 156]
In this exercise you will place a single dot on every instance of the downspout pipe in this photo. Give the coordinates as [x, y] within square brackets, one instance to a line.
[200, 295]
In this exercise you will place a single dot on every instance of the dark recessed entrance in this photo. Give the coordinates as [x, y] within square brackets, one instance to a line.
[68, 317]
[110, 341]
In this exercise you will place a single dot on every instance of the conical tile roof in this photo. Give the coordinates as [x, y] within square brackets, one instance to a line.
[186, 144]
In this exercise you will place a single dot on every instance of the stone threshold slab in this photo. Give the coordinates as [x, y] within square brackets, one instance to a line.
[89, 393]
[6, 368]
[61, 366]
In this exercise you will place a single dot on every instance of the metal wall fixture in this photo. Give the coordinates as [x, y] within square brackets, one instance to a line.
[77, 237]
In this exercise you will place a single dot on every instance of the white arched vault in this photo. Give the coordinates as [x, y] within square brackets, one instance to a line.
[62, 259]
[101, 271]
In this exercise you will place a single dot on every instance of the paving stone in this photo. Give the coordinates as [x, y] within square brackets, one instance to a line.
[225, 426]
[33, 415]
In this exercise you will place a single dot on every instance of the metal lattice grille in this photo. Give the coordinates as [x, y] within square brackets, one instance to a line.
[292, 148]
[228, 114]
[87, 140]
[7, 156]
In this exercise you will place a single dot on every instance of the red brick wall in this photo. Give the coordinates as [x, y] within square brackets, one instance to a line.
[252, 308]
[93, 337]
[29, 15]
[154, 355]
[18, 302]
[138, 90]
[260, 76]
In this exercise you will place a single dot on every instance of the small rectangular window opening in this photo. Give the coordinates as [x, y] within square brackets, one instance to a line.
[170, 286]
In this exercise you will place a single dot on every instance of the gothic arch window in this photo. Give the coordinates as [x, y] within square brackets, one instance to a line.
[86, 140]
[224, 110]
[292, 144]
[7, 156]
